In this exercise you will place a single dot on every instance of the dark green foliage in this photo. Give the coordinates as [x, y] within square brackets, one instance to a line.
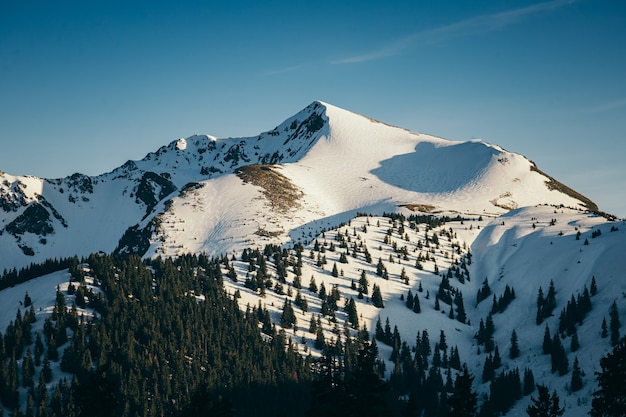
[558, 356]
[604, 333]
[544, 405]
[514, 350]
[463, 400]
[485, 333]
[610, 398]
[416, 305]
[288, 316]
[377, 297]
[500, 304]
[153, 343]
[576, 382]
[546, 305]
[483, 292]
[547, 341]
[460, 308]
[529, 382]
[594, 286]
[574, 343]
[505, 389]
[614, 324]
[351, 312]
[14, 277]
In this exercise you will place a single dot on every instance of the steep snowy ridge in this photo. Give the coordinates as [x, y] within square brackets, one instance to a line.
[334, 163]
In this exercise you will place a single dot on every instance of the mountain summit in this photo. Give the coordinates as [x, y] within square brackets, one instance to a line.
[316, 169]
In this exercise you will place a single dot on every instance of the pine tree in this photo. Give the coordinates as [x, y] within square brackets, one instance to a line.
[514, 350]
[488, 370]
[614, 324]
[443, 345]
[416, 305]
[463, 400]
[610, 398]
[379, 332]
[547, 341]
[409, 300]
[288, 316]
[377, 297]
[545, 405]
[558, 356]
[574, 343]
[604, 332]
[529, 382]
[460, 308]
[28, 371]
[365, 388]
[352, 314]
[594, 287]
[577, 381]
[497, 361]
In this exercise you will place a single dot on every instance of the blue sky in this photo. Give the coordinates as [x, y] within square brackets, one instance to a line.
[86, 85]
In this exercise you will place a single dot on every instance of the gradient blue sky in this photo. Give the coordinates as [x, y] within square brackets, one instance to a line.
[86, 85]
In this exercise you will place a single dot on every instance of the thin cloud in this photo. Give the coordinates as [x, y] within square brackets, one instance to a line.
[284, 70]
[471, 26]
[608, 106]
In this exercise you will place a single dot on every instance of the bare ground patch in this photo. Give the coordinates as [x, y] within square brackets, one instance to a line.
[424, 208]
[277, 189]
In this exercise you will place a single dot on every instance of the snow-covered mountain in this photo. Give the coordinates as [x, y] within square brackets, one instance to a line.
[315, 169]
[324, 178]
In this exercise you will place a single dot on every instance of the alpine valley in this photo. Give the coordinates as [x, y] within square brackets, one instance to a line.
[334, 265]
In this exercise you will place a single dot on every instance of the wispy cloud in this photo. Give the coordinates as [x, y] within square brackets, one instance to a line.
[607, 106]
[284, 70]
[466, 27]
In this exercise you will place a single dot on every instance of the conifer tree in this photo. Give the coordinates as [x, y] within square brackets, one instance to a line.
[460, 308]
[529, 381]
[416, 305]
[604, 332]
[463, 400]
[614, 324]
[409, 300]
[544, 405]
[577, 381]
[514, 350]
[377, 297]
[574, 343]
[609, 399]
[547, 341]
[594, 288]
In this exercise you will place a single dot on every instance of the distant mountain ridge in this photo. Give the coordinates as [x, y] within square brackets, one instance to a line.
[321, 165]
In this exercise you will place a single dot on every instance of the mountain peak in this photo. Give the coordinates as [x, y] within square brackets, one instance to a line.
[337, 162]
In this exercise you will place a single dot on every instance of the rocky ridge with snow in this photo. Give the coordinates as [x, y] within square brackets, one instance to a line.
[317, 168]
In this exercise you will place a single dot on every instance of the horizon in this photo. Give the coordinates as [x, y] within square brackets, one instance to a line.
[86, 88]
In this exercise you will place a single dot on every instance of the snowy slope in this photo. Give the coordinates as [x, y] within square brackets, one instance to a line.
[315, 171]
[506, 250]
[335, 163]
